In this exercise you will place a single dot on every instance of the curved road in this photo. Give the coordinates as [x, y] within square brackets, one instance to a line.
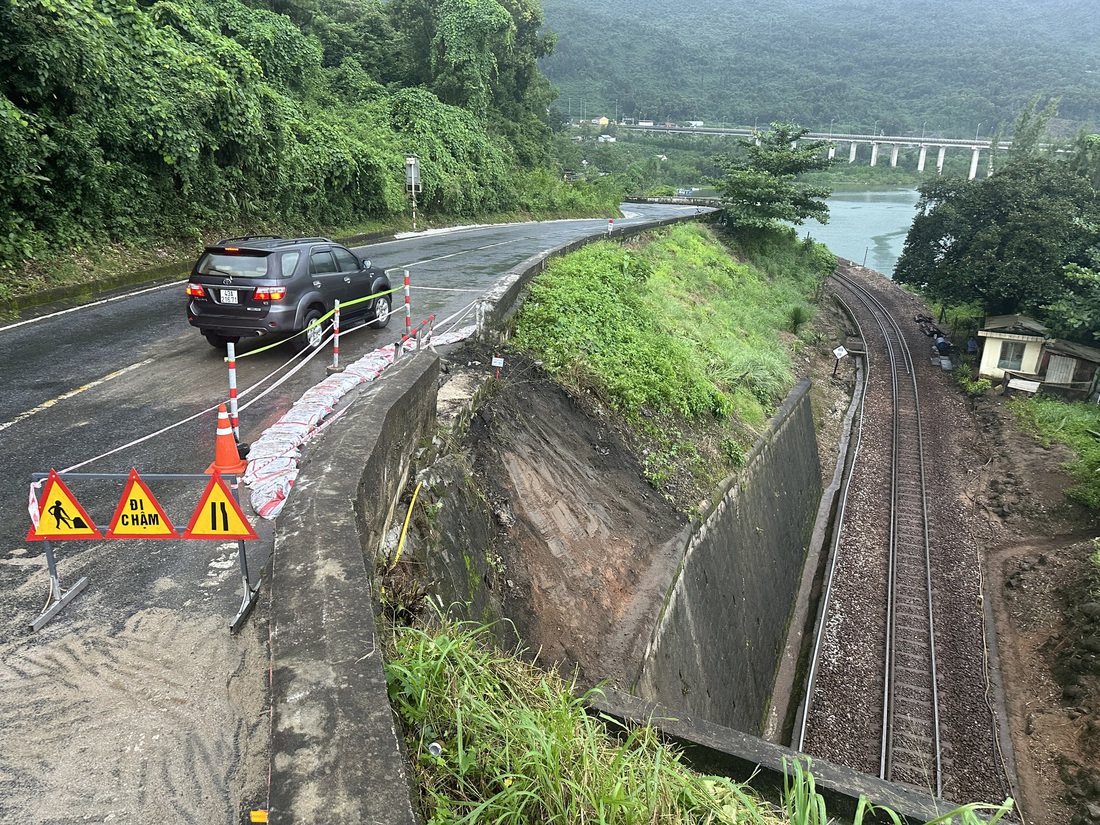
[136, 701]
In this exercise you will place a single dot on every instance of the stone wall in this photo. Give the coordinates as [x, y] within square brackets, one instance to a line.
[716, 651]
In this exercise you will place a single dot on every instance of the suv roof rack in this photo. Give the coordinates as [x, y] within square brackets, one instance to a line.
[224, 241]
[268, 241]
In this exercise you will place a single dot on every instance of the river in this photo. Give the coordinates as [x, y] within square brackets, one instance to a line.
[867, 226]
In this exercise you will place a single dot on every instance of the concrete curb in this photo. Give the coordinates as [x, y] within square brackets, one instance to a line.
[336, 754]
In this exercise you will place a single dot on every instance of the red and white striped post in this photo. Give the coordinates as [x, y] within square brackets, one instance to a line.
[610, 226]
[335, 337]
[231, 359]
[408, 307]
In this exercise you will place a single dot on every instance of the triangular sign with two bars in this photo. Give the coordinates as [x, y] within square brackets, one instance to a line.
[218, 515]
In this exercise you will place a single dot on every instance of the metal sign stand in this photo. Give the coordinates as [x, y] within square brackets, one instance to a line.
[59, 598]
[248, 595]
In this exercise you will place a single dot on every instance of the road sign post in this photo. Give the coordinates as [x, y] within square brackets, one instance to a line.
[412, 182]
[838, 353]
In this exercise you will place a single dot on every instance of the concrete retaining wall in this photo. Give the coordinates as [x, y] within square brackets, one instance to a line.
[716, 650]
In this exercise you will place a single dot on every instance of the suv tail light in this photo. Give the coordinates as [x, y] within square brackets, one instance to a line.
[195, 290]
[269, 293]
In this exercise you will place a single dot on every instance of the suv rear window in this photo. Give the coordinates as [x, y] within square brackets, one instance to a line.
[241, 265]
[288, 262]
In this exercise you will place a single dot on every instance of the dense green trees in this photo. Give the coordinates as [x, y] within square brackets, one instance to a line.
[759, 189]
[1026, 239]
[121, 119]
[1003, 241]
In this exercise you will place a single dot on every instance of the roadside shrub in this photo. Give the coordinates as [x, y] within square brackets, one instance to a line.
[973, 387]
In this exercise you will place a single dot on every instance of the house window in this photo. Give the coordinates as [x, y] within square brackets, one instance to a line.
[1012, 355]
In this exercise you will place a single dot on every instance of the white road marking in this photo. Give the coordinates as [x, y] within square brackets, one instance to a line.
[445, 257]
[110, 300]
[45, 405]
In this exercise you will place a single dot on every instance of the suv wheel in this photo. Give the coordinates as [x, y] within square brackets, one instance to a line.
[315, 334]
[382, 312]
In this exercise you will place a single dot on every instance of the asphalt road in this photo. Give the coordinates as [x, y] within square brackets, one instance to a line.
[135, 701]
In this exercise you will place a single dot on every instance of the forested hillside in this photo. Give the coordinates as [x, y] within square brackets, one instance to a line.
[130, 119]
[910, 65]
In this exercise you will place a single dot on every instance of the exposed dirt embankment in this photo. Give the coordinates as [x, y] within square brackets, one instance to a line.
[587, 548]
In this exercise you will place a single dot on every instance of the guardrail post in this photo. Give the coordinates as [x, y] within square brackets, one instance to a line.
[408, 306]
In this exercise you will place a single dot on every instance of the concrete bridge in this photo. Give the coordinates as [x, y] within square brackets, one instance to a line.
[895, 143]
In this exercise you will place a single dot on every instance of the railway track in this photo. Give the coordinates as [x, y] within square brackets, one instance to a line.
[908, 709]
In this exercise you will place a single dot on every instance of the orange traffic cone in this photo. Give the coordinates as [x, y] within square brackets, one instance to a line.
[227, 460]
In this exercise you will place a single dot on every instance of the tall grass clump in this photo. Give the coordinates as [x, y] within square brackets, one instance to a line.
[803, 805]
[1074, 425]
[678, 336]
[495, 739]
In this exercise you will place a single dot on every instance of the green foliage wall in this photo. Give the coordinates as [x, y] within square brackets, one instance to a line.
[121, 120]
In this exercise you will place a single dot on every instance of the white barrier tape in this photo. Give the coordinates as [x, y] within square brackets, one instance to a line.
[273, 458]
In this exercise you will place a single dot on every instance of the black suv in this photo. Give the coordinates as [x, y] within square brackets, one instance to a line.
[267, 285]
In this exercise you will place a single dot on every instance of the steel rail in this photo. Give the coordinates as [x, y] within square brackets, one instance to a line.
[910, 747]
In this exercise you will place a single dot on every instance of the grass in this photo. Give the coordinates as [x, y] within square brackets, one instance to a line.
[515, 744]
[1077, 425]
[495, 739]
[676, 333]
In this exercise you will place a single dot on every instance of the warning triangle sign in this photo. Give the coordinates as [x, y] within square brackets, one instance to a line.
[139, 515]
[218, 515]
[60, 515]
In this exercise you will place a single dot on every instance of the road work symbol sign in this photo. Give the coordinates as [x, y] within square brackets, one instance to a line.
[218, 515]
[59, 515]
[139, 515]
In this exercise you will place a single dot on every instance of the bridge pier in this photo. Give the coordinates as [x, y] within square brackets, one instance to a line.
[939, 160]
[974, 162]
[832, 151]
[852, 152]
[894, 155]
[922, 158]
[874, 152]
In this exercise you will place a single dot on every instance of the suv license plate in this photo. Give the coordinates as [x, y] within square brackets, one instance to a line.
[229, 296]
